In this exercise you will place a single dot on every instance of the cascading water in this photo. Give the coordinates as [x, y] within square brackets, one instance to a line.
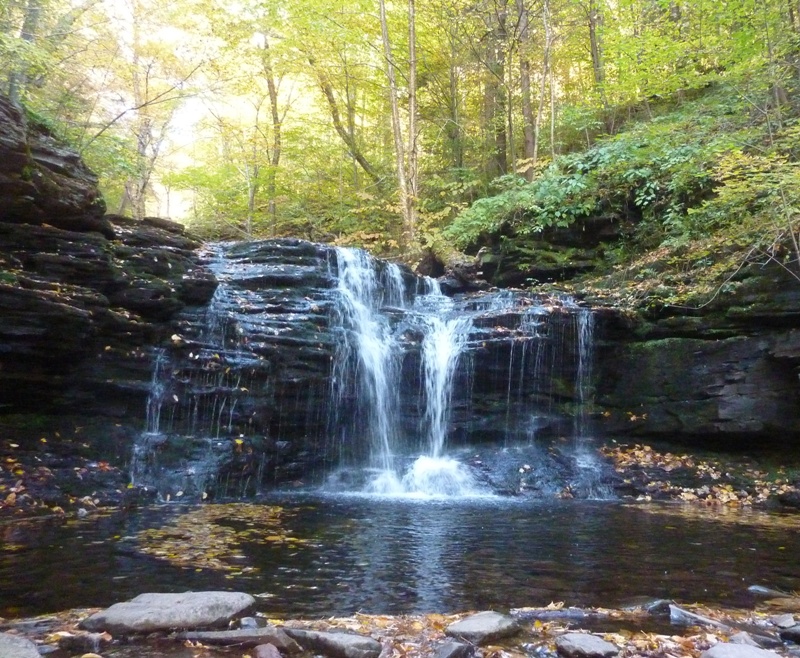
[368, 352]
[315, 362]
[387, 328]
[368, 364]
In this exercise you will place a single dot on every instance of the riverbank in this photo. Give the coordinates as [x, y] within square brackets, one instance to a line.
[652, 629]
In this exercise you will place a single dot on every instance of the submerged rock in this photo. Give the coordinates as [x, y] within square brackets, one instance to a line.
[336, 645]
[455, 650]
[246, 637]
[161, 612]
[483, 627]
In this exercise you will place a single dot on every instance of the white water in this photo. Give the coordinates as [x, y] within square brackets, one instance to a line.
[375, 346]
[370, 340]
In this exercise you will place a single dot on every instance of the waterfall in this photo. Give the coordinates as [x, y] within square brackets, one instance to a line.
[442, 346]
[315, 357]
[368, 352]
[368, 369]
[583, 378]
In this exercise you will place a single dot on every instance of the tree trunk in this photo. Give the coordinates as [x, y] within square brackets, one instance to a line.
[341, 130]
[17, 80]
[406, 201]
[595, 20]
[525, 88]
[351, 100]
[548, 45]
[413, 136]
[275, 156]
[454, 134]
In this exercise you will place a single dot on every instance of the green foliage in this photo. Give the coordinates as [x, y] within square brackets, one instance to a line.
[656, 176]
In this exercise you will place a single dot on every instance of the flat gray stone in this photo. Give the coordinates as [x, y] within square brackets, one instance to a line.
[728, 650]
[161, 612]
[336, 645]
[12, 646]
[483, 627]
[783, 621]
[246, 637]
[584, 645]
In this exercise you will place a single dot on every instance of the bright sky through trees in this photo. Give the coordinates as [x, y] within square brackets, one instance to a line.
[357, 119]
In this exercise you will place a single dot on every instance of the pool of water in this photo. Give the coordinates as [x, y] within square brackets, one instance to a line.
[311, 555]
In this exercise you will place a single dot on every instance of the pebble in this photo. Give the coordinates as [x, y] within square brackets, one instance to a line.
[266, 651]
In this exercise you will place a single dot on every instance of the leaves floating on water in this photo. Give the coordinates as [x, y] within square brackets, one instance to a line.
[211, 536]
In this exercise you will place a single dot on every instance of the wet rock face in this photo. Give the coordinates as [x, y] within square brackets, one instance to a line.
[79, 312]
[241, 396]
[683, 386]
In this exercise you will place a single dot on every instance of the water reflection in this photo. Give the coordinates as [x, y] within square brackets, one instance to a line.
[397, 556]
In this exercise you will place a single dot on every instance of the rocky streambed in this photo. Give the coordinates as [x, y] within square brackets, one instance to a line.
[216, 624]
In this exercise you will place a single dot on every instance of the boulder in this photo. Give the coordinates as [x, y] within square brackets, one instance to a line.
[162, 612]
[584, 645]
[12, 646]
[42, 181]
[483, 627]
[336, 645]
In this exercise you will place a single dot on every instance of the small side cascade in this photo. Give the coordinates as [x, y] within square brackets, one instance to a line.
[584, 319]
[211, 427]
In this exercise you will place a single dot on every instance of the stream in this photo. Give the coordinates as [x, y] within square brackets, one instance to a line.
[338, 554]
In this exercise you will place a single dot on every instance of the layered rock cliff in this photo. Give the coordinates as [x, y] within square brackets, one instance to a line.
[725, 372]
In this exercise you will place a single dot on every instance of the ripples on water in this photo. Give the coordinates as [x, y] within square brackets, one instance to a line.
[384, 555]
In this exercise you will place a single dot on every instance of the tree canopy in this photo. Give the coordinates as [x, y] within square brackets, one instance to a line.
[395, 125]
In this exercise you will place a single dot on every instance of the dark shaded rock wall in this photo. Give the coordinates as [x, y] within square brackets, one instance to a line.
[725, 372]
[84, 297]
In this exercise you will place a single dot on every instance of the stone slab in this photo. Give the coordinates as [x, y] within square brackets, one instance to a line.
[483, 627]
[162, 612]
[336, 645]
[585, 645]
